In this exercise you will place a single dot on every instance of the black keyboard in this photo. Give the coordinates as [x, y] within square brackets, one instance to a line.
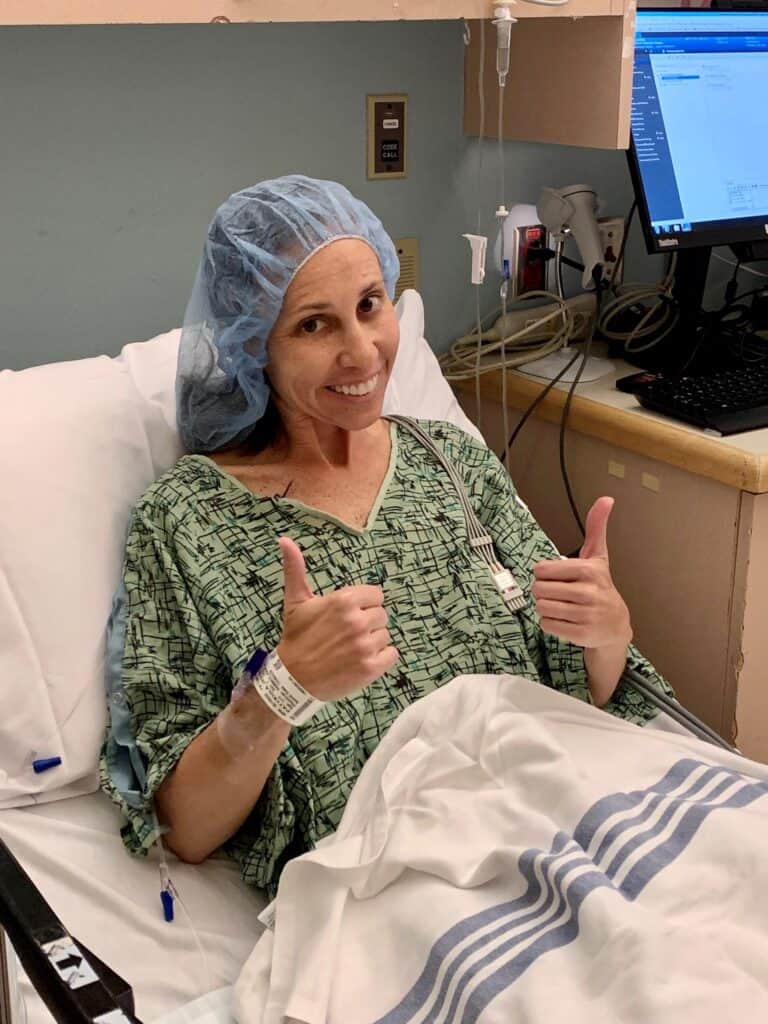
[727, 401]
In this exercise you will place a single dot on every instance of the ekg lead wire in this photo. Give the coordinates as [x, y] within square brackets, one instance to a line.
[676, 711]
[479, 538]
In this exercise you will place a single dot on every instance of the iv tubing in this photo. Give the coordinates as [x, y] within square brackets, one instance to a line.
[481, 98]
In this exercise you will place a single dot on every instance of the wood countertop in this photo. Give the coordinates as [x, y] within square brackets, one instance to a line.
[599, 410]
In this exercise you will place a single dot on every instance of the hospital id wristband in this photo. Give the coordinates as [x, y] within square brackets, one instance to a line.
[282, 694]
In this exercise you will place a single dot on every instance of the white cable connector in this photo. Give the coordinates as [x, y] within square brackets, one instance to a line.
[508, 588]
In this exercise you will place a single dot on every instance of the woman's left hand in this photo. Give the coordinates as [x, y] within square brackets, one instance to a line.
[576, 599]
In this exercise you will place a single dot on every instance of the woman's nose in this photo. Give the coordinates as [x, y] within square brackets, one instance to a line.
[359, 347]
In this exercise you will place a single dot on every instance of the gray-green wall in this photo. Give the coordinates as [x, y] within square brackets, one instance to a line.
[117, 144]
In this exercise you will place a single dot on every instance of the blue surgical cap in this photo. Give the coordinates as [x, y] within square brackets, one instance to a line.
[257, 242]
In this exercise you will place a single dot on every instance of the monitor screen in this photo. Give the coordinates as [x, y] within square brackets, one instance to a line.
[699, 151]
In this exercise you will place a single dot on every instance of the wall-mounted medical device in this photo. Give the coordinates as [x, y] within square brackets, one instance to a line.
[521, 233]
[572, 210]
[387, 124]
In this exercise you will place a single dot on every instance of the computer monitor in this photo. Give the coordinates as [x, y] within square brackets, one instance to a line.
[699, 153]
[699, 127]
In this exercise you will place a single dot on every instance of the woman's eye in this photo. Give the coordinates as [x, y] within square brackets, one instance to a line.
[370, 303]
[311, 326]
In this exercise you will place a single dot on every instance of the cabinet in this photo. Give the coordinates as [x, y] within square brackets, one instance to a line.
[570, 78]
[688, 535]
[74, 12]
[571, 65]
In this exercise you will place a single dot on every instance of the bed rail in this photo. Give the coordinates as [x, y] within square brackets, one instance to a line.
[6, 1004]
[75, 985]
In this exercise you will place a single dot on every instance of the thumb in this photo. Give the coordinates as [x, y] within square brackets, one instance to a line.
[596, 533]
[297, 589]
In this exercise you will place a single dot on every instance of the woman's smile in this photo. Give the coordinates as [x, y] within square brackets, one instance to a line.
[363, 389]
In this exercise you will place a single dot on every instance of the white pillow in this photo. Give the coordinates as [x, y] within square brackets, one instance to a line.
[79, 443]
[417, 386]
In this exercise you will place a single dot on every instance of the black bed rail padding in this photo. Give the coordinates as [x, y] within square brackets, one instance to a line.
[74, 984]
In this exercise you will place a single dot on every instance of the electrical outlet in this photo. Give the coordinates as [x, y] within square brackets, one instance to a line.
[611, 235]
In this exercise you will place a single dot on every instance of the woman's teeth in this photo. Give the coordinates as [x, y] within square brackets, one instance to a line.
[357, 389]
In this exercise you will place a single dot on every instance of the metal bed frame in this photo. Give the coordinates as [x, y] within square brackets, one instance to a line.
[74, 984]
[6, 1006]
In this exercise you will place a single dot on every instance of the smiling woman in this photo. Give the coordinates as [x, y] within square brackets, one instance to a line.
[329, 364]
[259, 243]
[329, 361]
[305, 572]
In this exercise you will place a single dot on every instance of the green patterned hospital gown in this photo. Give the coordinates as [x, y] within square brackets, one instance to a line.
[203, 575]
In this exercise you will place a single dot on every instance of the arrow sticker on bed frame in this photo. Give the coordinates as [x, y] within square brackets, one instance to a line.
[70, 963]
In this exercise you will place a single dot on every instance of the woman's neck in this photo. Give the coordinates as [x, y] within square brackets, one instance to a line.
[319, 446]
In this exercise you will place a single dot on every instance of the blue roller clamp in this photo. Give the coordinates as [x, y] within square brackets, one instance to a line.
[167, 901]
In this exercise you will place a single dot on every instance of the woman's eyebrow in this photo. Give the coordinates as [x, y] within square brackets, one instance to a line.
[319, 307]
[311, 307]
[375, 283]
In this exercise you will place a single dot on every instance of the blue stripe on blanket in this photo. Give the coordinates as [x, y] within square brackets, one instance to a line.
[631, 826]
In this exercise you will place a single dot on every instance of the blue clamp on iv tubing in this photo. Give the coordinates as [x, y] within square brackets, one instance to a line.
[42, 764]
[166, 898]
[166, 888]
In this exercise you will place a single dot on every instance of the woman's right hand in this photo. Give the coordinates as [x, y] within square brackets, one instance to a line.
[336, 644]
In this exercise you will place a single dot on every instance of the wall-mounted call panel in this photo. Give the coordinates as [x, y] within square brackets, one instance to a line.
[387, 129]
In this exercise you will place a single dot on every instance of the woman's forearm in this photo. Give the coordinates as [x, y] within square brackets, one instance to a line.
[604, 666]
[219, 778]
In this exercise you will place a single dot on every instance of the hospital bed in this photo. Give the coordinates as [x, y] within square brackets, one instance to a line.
[79, 443]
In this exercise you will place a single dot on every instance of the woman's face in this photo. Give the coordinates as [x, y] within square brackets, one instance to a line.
[332, 349]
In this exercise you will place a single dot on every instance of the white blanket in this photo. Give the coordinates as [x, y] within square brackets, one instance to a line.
[512, 854]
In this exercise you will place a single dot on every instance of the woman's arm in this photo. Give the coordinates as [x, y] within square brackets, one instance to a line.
[172, 687]
[577, 601]
[333, 645]
[605, 666]
[217, 782]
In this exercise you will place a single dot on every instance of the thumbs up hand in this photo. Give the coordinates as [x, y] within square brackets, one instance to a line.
[336, 644]
[576, 599]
